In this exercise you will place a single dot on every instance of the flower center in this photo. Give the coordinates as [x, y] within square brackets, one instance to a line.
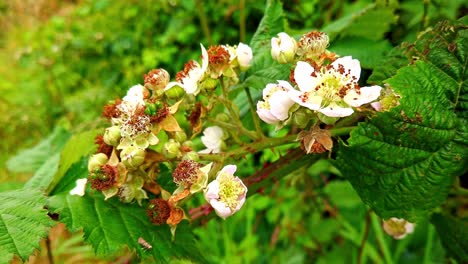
[229, 190]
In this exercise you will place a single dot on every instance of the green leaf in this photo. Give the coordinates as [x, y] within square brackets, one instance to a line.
[112, 225]
[79, 145]
[403, 162]
[342, 194]
[453, 234]
[32, 159]
[23, 223]
[43, 176]
[371, 22]
[370, 53]
[165, 178]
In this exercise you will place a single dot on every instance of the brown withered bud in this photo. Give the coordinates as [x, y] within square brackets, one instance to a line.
[160, 115]
[218, 58]
[158, 211]
[186, 172]
[102, 146]
[315, 140]
[104, 178]
[194, 117]
[111, 110]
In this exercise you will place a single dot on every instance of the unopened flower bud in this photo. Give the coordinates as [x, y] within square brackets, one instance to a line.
[132, 157]
[210, 84]
[301, 117]
[222, 117]
[176, 92]
[398, 228]
[283, 48]
[96, 161]
[244, 56]
[312, 44]
[156, 79]
[180, 136]
[112, 136]
[171, 149]
[191, 155]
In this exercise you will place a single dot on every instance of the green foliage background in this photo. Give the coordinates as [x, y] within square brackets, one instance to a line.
[60, 67]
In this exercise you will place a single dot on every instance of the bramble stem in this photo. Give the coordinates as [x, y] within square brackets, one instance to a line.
[376, 226]
[203, 21]
[364, 238]
[255, 118]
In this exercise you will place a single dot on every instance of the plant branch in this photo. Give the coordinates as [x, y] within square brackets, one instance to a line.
[255, 118]
[376, 226]
[242, 20]
[203, 21]
[364, 238]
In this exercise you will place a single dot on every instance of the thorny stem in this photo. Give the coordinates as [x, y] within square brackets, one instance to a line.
[364, 238]
[271, 172]
[49, 251]
[255, 118]
[376, 226]
[242, 20]
[233, 113]
[203, 21]
[264, 144]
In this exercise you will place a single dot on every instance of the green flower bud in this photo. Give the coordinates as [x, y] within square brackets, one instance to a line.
[210, 84]
[191, 155]
[175, 92]
[180, 136]
[327, 119]
[301, 117]
[96, 161]
[223, 117]
[132, 157]
[112, 136]
[188, 144]
[171, 149]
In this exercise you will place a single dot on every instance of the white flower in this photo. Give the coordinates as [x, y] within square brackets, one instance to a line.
[283, 48]
[80, 187]
[212, 139]
[226, 193]
[192, 75]
[398, 228]
[133, 99]
[276, 104]
[333, 90]
[244, 56]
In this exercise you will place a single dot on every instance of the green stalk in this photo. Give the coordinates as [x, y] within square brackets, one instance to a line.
[242, 20]
[203, 21]
[428, 248]
[255, 118]
[376, 226]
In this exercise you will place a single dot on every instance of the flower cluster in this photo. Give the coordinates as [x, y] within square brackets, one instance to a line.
[320, 82]
[145, 139]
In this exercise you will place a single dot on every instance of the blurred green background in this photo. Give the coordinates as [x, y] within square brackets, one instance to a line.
[61, 61]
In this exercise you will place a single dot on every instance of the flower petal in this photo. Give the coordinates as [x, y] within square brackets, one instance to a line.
[280, 104]
[367, 95]
[212, 191]
[221, 209]
[80, 187]
[313, 102]
[230, 169]
[333, 110]
[303, 78]
[350, 64]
